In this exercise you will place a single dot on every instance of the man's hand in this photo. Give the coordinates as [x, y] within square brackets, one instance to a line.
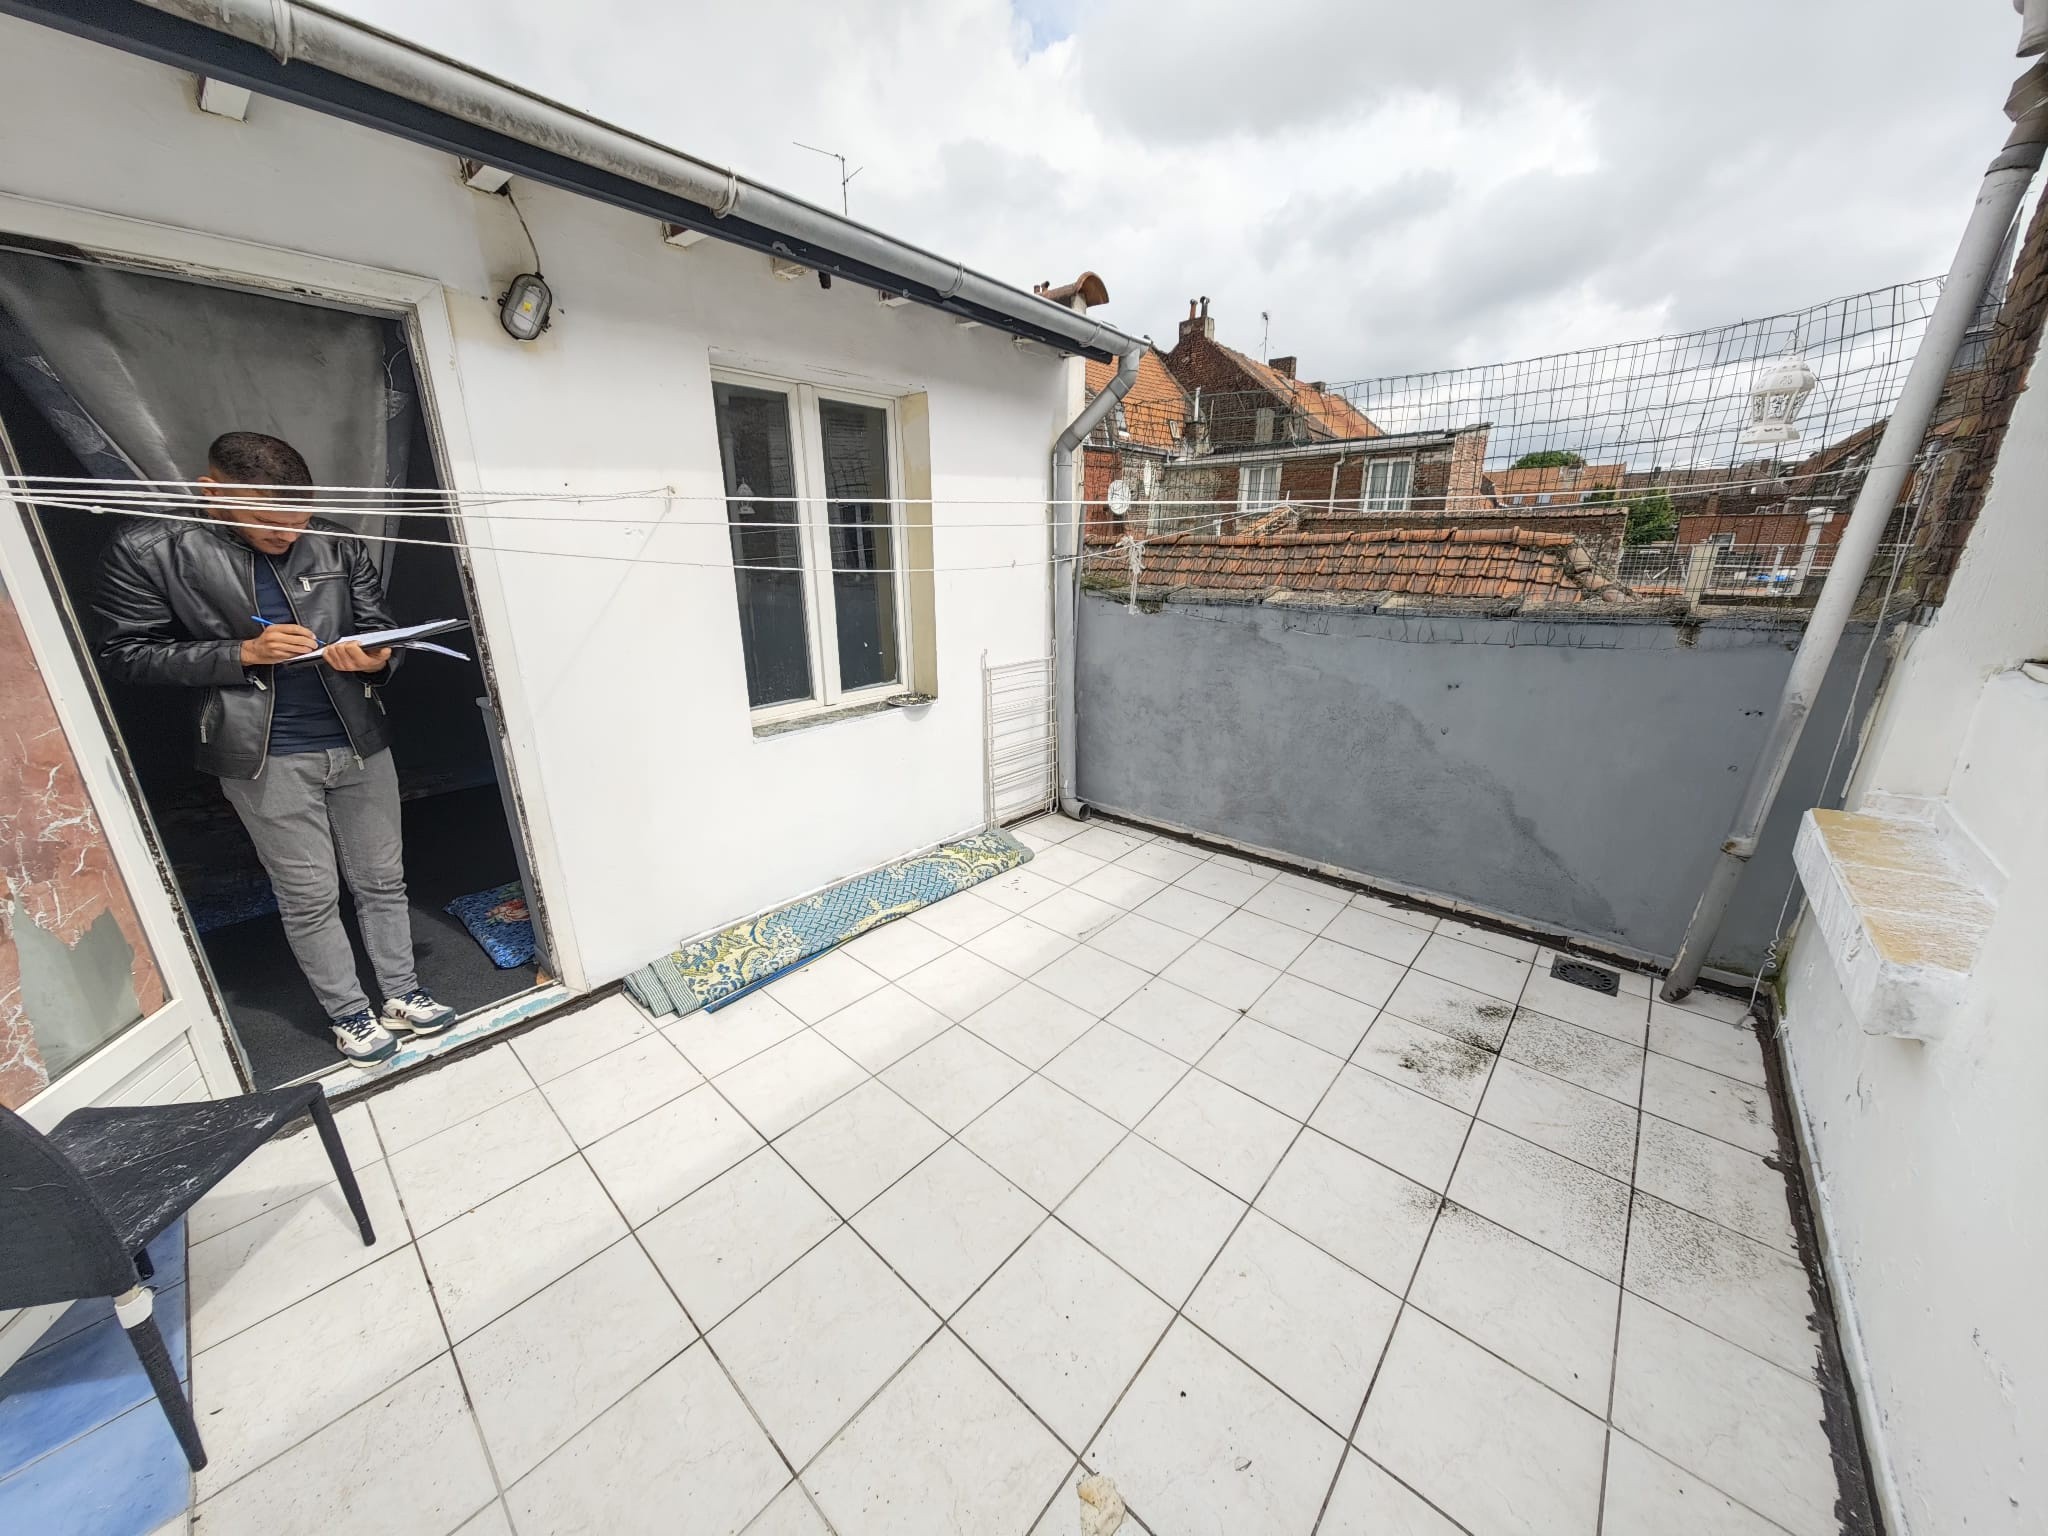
[347, 656]
[278, 642]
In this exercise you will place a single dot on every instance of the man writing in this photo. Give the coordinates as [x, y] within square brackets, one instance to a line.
[302, 750]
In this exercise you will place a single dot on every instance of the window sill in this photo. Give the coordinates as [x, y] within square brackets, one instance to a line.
[788, 724]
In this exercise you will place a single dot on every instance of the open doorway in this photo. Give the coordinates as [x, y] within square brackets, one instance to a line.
[140, 370]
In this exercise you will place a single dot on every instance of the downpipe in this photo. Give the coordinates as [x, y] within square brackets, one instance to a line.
[2005, 183]
[1066, 570]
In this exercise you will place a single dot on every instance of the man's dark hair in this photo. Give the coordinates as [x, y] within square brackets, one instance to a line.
[255, 458]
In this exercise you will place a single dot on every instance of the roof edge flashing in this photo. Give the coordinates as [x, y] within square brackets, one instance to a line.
[292, 33]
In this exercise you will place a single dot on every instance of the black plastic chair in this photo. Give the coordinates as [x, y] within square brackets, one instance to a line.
[78, 1206]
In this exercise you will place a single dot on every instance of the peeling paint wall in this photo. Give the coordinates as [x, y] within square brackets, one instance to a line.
[1576, 775]
[75, 969]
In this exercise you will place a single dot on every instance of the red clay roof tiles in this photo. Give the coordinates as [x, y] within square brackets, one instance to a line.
[1155, 401]
[1493, 564]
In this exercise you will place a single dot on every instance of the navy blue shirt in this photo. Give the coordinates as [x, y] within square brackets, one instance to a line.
[303, 718]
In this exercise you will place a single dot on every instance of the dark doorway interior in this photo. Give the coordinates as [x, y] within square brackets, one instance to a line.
[457, 837]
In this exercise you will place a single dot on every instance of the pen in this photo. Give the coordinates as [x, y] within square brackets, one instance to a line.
[266, 623]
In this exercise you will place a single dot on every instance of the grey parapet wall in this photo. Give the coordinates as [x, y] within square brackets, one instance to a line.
[1574, 773]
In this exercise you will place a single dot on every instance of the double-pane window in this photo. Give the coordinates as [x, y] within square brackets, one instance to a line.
[1258, 488]
[1386, 484]
[811, 504]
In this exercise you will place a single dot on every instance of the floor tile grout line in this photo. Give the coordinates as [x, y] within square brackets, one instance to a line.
[1622, 1288]
[1421, 1253]
[476, 1422]
[321, 1428]
[413, 1234]
[1179, 1308]
[1388, 1013]
[1641, 1115]
[1472, 1119]
[1352, 894]
[462, 1380]
[354, 1167]
[1775, 1526]
[846, 1223]
[1442, 1199]
[1060, 1487]
[1188, 1067]
[943, 1319]
[497, 1497]
[537, 1086]
[196, 1351]
[1621, 1301]
[1129, 1131]
[396, 1088]
[1126, 1133]
[703, 1335]
[1302, 1127]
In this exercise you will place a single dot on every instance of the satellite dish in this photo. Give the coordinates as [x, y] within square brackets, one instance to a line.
[1119, 497]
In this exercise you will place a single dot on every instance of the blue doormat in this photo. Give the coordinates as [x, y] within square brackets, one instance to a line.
[498, 920]
[709, 970]
[219, 904]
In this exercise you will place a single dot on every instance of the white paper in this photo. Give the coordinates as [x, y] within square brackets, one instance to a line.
[370, 640]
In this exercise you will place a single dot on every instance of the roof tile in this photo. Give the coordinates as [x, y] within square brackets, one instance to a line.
[1496, 564]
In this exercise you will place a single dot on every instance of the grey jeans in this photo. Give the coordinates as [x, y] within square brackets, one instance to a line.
[305, 810]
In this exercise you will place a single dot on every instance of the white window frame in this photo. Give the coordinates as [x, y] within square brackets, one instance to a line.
[1384, 504]
[807, 449]
[1245, 506]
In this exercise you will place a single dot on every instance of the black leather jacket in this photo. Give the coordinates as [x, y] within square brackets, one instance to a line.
[175, 601]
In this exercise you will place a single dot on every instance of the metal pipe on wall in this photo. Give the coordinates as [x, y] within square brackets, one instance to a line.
[1066, 568]
[1977, 258]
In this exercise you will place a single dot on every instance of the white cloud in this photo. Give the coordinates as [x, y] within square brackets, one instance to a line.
[1403, 185]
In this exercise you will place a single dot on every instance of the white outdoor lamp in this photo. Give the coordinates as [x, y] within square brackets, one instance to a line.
[1775, 402]
[523, 311]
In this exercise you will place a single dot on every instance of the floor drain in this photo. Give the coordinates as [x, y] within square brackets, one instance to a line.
[1594, 978]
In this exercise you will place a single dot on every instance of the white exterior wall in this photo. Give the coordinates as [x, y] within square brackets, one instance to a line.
[656, 811]
[1930, 1156]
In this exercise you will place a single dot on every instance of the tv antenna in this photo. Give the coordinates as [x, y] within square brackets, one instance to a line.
[1265, 334]
[845, 175]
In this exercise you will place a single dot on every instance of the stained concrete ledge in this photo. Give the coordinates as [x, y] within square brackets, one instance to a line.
[1900, 915]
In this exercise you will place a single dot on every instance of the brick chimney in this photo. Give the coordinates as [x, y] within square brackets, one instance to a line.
[1198, 322]
[1284, 366]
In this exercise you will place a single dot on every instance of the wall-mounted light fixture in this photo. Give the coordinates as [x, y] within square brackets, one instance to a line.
[523, 311]
[528, 300]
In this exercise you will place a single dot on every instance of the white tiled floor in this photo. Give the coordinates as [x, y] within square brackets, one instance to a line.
[1291, 1210]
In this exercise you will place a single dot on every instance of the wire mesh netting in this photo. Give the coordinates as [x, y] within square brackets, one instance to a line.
[1718, 464]
[1675, 404]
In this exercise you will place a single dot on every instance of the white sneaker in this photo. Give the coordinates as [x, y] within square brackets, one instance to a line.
[362, 1038]
[417, 1013]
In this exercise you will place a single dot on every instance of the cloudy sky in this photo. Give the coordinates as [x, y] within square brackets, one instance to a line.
[1402, 184]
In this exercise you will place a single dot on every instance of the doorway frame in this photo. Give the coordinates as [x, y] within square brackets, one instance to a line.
[419, 304]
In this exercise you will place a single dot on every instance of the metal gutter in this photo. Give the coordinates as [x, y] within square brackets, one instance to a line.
[309, 57]
[1066, 568]
[1385, 443]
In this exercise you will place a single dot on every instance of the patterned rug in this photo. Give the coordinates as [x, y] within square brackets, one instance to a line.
[718, 967]
[498, 920]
